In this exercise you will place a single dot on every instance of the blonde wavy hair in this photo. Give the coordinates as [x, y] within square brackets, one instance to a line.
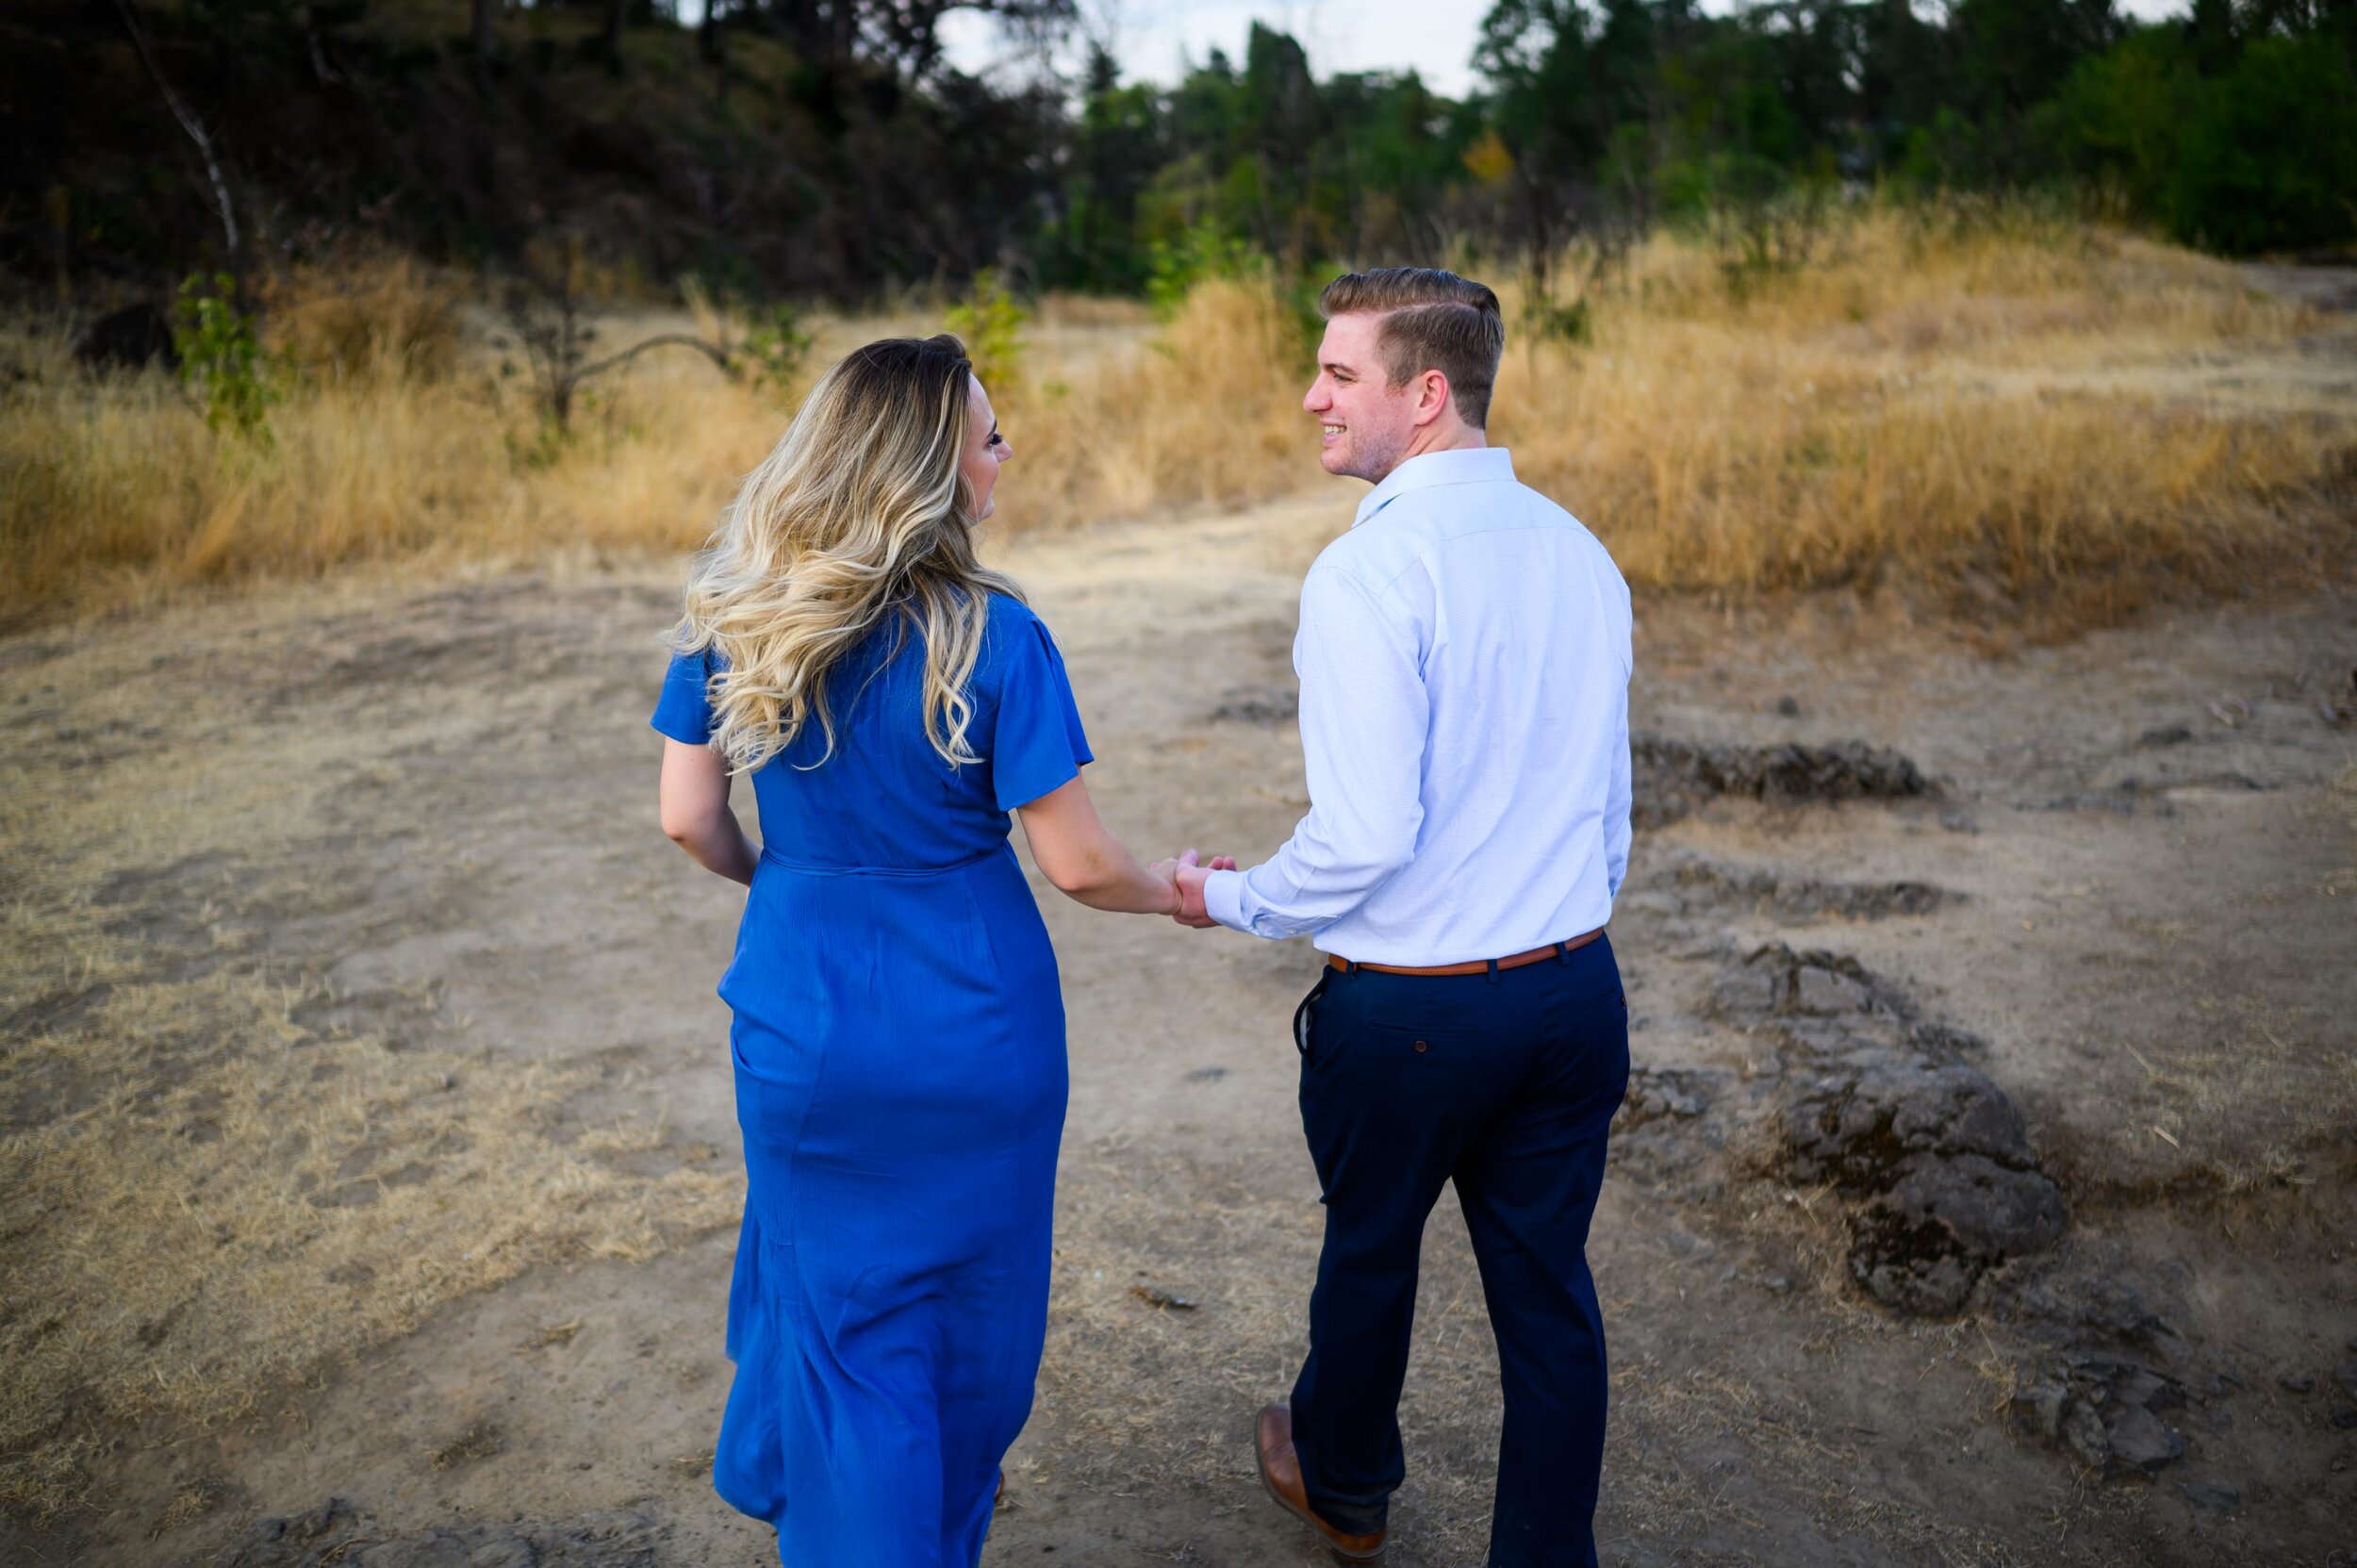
[857, 516]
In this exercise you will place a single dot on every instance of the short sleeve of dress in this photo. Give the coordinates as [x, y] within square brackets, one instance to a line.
[684, 712]
[1037, 745]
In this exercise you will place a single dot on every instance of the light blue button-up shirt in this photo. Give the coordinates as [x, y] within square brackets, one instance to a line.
[1464, 661]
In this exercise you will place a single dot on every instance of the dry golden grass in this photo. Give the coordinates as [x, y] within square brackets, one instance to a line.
[114, 493]
[208, 1202]
[2022, 416]
[2019, 411]
[1208, 413]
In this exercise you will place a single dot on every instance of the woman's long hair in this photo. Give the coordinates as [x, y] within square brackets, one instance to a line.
[858, 514]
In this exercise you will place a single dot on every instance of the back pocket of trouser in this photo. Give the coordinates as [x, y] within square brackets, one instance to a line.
[1430, 1045]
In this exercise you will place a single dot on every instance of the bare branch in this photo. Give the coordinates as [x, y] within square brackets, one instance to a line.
[713, 351]
[189, 122]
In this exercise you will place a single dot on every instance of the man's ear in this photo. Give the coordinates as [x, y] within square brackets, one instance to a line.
[1432, 396]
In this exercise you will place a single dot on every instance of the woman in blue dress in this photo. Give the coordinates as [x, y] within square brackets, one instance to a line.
[898, 1034]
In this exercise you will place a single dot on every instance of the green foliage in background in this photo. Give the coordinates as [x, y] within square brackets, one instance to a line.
[1201, 250]
[991, 323]
[222, 360]
[2228, 139]
[775, 348]
[850, 154]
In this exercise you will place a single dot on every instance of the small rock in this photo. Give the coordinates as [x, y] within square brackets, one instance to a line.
[2166, 735]
[1825, 994]
[2344, 1418]
[1263, 708]
[1161, 1301]
[2142, 1441]
[2345, 1375]
[1658, 1092]
[1682, 1245]
[2299, 1383]
[1789, 706]
[2081, 1432]
[1779, 1283]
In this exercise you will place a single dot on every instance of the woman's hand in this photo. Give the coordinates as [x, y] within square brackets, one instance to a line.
[1187, 876]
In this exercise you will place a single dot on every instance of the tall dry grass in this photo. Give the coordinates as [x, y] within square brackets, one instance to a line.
[2037, 417]
[2057, 420]
[400, 440]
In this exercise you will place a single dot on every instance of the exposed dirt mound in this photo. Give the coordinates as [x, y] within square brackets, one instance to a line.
[1672, 777]
[1807, 898]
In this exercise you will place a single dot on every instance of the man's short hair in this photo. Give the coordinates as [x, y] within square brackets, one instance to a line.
[1432, 320]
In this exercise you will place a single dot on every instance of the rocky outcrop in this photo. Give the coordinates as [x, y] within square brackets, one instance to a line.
[2105, 1410]
[1933, 1157]
[1672, 777]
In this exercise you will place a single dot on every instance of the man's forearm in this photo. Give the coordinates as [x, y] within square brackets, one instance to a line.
[1294, 894]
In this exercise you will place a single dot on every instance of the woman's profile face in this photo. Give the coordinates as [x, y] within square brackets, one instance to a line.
[985, 449]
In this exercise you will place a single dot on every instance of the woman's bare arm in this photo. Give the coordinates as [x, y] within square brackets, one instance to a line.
[1088, 863]
[693, 799]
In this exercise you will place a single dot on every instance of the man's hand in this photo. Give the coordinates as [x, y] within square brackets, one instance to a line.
[1190, 874]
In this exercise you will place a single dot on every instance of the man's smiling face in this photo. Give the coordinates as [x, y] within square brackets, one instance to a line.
[1364, 421]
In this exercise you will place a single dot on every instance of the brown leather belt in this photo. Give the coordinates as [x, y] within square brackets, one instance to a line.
[1471, 966]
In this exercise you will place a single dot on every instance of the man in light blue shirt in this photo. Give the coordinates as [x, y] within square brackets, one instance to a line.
[1464, 658]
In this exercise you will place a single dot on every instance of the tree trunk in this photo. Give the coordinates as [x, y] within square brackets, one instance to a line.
[617, 13]
[195, 130]
[487, 43]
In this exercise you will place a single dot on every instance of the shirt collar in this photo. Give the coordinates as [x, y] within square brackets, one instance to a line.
[1458, 466]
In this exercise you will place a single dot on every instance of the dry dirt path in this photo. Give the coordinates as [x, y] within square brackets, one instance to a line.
[2125, 904]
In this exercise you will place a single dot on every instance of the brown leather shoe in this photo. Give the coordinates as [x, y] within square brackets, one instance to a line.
[1281, 1472]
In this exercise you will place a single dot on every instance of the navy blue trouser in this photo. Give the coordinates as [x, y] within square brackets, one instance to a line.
[1504, 1084]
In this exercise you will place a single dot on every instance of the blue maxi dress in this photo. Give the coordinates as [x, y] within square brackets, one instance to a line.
[899, 1045]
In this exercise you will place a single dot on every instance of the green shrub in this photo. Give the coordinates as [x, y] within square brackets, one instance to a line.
[1202, 251]
[222, 360]
[2260, 153]
[776, 346]
[991, 321]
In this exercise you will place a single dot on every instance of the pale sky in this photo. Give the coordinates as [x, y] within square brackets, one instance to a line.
[1155, 40]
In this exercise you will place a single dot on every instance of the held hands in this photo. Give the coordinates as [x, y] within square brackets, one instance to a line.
[1187, 876]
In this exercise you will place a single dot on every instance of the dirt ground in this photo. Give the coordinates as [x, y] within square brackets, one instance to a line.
[409, 828]
[367, 1169]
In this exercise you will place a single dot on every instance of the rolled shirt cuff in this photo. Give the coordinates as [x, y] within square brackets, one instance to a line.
[1223, 899]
